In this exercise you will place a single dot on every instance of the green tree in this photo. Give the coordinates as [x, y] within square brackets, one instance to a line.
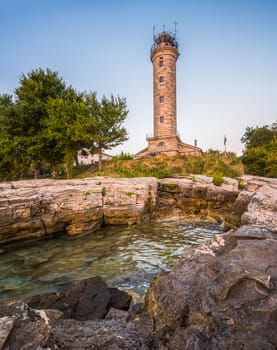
[13, 161]
[47, 123]
[260, 154]
[63, 133]
[259, 136]
[32, 97]
[107, 118]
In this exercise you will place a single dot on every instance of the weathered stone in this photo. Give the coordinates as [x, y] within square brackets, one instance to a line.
[40, 207]
[220, 295]
[116, 314]
[199, 199]
[29, 329]
[6, 325]
[112, 334]
[262, 207]
[119, 299]
[89, 299]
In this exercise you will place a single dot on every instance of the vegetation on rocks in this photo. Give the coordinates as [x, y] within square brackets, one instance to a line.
[211, 163]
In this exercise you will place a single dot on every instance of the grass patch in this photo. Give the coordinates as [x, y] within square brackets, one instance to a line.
[129, 194]
[211, 163]
[171, 186]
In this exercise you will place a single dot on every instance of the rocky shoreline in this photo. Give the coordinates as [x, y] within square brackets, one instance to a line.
[220, 295]
[41, 207]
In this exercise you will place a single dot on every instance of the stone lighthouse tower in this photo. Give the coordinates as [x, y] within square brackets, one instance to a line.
[164, 54]
[165, 139]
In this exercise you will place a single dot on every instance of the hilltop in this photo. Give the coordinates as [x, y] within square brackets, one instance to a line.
[211, 163]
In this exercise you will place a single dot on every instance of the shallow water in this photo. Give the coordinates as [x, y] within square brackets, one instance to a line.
[125, 256]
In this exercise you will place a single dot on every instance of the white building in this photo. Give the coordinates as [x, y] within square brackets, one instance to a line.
[85, 157]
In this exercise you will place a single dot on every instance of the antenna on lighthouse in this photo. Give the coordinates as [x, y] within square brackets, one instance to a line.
[154, 32]
[175, 28]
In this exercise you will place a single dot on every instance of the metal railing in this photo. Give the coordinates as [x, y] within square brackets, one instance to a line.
[165, 38]
[151, 135]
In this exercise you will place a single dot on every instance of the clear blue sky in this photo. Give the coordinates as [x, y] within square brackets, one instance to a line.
[226, 73]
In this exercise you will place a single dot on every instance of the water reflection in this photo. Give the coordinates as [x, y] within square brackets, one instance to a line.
[126, 256]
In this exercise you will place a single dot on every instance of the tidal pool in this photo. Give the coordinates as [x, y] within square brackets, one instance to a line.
[125, 256]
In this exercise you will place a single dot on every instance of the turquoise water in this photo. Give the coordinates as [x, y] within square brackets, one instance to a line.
[125, 256]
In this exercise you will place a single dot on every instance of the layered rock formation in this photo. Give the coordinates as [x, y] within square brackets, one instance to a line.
[220, 295]
[40, 207]
[198, 199]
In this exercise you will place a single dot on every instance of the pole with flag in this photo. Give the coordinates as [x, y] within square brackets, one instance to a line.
[225, 141]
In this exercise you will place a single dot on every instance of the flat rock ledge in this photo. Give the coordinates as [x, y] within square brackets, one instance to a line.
[40, 207]
[221, 295]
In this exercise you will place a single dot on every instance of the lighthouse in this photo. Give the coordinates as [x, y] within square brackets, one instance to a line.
[165, 138]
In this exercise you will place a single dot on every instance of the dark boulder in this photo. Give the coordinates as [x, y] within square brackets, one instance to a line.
[90, 299]
[119, 299]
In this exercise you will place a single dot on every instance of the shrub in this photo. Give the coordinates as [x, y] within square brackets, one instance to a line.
[124, 156]
[218, 180]
[104, 191]
[241, 184]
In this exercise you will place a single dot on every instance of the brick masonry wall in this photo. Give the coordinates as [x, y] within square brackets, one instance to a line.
[166, 89]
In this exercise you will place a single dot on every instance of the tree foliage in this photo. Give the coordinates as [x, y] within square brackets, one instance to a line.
[260, 154]
[108, 118]
[46, 123]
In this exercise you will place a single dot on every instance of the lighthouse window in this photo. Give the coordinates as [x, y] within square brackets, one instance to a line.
[161, 99]
[161, 119]
[161, 144]
[161, 79]
[161, 62]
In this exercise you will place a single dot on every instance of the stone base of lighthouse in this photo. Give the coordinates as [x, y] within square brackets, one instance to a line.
[170, 145]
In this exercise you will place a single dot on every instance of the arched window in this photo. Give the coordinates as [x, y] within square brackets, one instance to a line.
[161, 144]
[161, 79]
[161, 63]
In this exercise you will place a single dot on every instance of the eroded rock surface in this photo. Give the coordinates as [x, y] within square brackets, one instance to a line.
[220, 295]
[198, 199]
[262, 207]
[40, 207]
[46, 329]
